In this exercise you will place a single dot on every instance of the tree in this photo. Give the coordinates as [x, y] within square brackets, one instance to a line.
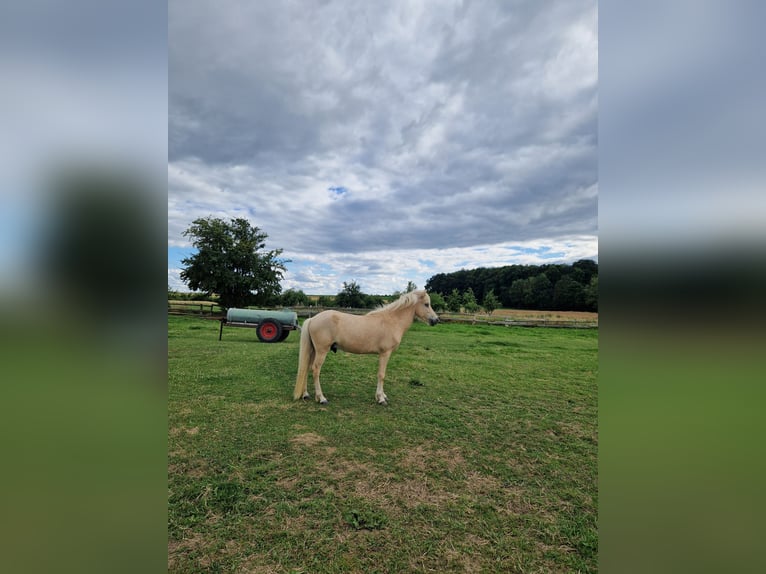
[490, 302]
[591, 294]
[454, 301]
[350, 296]
[230, 262]
[294, 298]
[469, 301]
[411, 287]
[326, 301]
[542, 291]
[437, 302]
[583, 270]
[521, 293]
[568, 294]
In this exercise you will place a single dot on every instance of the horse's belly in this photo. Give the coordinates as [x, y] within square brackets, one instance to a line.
[358, 347]
[363, 346]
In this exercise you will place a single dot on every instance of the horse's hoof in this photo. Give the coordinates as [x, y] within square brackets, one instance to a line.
[324, 402]
[306, 397]
[383, 403]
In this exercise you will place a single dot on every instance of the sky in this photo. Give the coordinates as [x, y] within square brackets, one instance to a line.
[385, 142]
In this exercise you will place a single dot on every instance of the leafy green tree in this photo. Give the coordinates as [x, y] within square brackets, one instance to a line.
[542, 292]
[490, 302]
[437, 302]
[568, 294]
[326, 301]
[591, 294]
[294, 298]
[454, 301]
[372, 301]
[351, 296]
[469, 301]
[521, 293]
[584, 270]
[230, 261]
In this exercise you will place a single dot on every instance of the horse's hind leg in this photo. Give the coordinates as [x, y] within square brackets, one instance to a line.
[315, 369]
[312, 358]
[380, 396]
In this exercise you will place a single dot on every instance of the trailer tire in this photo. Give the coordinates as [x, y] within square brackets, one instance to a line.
[269, 331]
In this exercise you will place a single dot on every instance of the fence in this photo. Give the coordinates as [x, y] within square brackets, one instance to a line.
[204, 308]
[552, 320]
[510, 322]
[213, 310]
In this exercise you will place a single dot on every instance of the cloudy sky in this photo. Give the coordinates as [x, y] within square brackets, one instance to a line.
[383, 142]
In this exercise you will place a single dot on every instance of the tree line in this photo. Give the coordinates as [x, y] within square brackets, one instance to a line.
[350, 297]
[232, 263]
[563, 287]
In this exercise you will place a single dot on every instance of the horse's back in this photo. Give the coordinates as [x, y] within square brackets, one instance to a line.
[333, 321]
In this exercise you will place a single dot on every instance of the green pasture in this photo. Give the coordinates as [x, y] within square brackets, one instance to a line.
[484, 460]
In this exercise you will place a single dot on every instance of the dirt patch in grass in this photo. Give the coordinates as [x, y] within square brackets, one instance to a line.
[307, 439]
[287, 483]
[175, 431]
[417, 491]
[177, 549]
[193, 469]
[517, 503]
[481, 484]
[463, 561]
[341, 469]
[259, 564]
[384, 488]
[418, 483]
[575, 429]
[427, 456]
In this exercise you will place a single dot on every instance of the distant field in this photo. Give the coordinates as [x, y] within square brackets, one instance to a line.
[527, 317]
[530, 314]
[485, 459]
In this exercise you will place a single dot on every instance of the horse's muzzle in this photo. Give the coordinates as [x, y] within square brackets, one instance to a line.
[433, 320]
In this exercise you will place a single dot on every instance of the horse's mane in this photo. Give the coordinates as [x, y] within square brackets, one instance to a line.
[406, 300]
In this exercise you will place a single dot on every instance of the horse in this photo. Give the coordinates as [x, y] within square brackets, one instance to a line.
[378, 332]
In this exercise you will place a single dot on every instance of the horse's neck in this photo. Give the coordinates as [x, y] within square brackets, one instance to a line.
[403, 317]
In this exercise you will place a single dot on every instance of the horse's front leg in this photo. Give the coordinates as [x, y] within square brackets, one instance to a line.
[380, 396]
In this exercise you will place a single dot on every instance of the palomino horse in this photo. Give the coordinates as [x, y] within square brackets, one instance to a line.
[378, 332]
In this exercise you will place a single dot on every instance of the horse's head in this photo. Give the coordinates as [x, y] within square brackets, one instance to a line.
[423, 310]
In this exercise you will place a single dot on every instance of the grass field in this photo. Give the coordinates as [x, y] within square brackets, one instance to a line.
[484, 460]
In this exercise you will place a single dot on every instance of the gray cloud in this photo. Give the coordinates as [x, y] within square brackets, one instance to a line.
[449, 124]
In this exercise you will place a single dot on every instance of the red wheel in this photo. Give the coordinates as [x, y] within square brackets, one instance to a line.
[269, 331]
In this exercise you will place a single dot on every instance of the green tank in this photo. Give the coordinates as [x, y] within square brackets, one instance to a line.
[259, 315]
[270, 326]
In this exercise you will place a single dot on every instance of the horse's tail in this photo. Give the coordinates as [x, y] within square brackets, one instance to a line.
[305, 359]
